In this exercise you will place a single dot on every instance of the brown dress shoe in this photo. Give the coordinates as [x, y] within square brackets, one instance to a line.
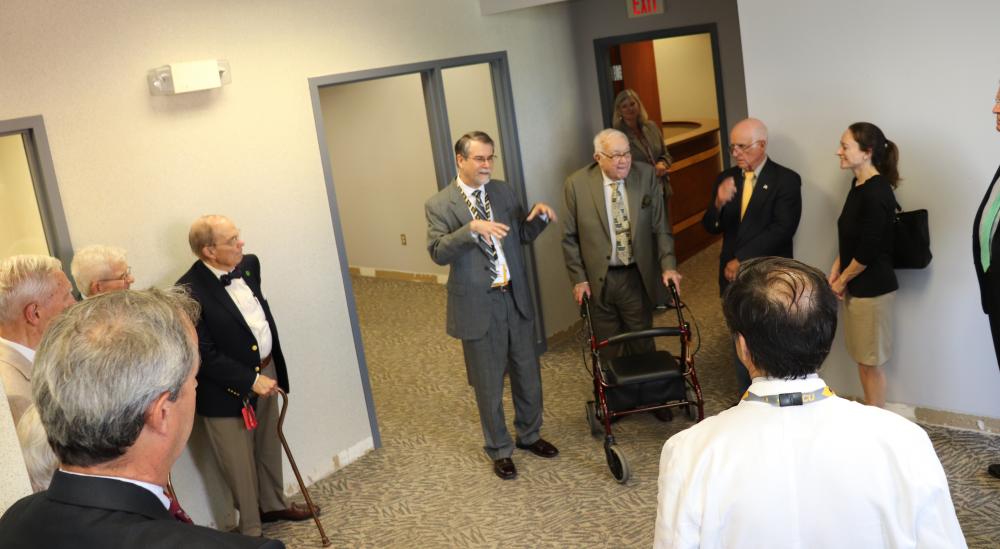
[504, 468]
[540, 448]
[295, 512]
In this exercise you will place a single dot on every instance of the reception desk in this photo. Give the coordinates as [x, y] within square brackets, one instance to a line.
[695, 147]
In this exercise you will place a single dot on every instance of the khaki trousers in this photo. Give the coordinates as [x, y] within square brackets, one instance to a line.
[250, 461]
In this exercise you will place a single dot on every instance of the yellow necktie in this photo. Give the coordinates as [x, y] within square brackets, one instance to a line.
[748, 179]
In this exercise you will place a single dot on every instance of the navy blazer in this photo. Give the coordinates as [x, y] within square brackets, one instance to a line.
[769, 223]
[229, 356]
[450, 242]
[989, 282]
[79, 512]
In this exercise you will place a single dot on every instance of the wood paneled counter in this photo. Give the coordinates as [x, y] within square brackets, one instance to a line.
[695, 147]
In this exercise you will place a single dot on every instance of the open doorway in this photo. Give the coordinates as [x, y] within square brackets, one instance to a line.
[31, 214]
[677, 75]
[386, 139]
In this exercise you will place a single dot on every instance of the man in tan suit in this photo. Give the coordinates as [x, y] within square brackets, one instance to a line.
[615, 215]
[33, 291]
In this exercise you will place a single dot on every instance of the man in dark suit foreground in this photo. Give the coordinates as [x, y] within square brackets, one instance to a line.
[242, 366]
[477, 226]
[756, 205]
[114, 383]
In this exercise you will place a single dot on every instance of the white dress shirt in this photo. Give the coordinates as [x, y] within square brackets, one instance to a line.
[830, 473]
[503, 273]
[608, 183]
[251, 310]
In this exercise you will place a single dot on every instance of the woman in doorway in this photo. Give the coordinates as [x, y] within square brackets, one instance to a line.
[644, 136]
[645, 140]
[862, 275]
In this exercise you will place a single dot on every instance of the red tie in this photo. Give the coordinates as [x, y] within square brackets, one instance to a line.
[177, 512]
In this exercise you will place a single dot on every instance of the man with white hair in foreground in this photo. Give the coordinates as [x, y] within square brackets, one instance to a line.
[794, 465]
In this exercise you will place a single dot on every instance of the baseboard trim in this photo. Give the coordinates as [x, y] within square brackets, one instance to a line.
[398, 275]
[941, 418]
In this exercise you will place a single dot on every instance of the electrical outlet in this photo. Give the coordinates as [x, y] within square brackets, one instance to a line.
[402, 239]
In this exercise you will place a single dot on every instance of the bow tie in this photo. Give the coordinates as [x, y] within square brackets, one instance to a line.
[229, 277]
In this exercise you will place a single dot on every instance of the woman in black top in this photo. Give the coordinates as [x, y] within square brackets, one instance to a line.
[862, 274]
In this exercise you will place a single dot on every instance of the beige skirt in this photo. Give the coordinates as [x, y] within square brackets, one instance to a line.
[868, 328]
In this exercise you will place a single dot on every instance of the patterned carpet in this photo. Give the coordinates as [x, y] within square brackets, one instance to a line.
[431, 485]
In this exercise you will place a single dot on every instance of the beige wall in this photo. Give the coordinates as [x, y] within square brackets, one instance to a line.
[20, 225]
[136, 169]
[383, 171]
[685, 74]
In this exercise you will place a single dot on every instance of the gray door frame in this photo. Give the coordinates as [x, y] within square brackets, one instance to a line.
[602, 54]
[43, 178]
[444, 167]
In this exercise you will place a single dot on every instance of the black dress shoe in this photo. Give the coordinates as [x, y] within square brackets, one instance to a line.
[540, 448]
[994, 470]
[504, 468]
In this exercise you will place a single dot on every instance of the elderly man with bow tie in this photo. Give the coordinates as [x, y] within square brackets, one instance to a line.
[241, 368]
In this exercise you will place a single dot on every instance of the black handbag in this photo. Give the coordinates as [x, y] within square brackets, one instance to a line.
[911, 247]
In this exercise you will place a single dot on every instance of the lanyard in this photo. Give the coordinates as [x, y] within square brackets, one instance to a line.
[790, 399]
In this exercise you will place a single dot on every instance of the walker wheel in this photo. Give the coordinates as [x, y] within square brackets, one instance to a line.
[596, 428]
[691, 396]
[618, 464]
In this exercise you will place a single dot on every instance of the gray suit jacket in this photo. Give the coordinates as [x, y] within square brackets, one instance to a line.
[450, 242]
[15, 372]
[587, 241]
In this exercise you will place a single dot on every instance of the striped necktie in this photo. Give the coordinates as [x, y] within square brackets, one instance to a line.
[482, 210]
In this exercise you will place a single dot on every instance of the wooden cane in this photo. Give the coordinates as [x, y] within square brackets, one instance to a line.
[295, 468]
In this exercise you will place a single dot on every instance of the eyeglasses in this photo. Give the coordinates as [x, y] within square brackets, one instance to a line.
[739, 148]
[492, 159]
[124, 277]
[616, 156]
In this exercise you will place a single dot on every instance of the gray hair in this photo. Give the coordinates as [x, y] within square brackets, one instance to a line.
[602, 137]
[93, 264]
[39, 458]
[24, 279]
[202, 232]
[103, 363]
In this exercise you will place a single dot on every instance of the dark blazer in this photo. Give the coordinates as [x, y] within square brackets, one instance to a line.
[450, 242]
[587, 243]
[229, 357]
[770, 221]
[91, 512]
[989, 282]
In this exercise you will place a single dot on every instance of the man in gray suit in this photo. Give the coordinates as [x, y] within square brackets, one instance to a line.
[477, 226]
[33, 291]
[615, 215]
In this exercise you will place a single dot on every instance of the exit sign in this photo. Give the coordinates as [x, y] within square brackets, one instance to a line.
[642, 8]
